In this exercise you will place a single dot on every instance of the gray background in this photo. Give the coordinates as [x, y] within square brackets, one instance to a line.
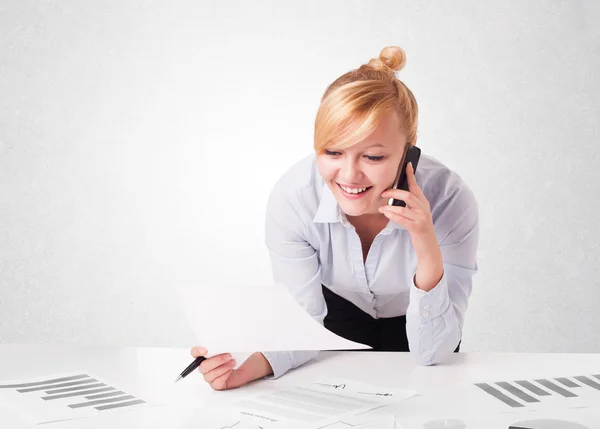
[139, 142]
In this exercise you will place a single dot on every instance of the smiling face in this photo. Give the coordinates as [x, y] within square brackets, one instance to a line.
[357, 175]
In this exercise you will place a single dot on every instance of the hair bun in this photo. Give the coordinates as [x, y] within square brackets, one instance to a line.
[391, 58]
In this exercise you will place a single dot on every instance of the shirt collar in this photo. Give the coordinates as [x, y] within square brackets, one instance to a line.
[329, 211]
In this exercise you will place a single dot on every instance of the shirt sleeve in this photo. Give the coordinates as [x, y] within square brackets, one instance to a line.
[295, 264]
[434, 319]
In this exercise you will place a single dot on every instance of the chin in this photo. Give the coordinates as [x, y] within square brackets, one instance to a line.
[354, 211]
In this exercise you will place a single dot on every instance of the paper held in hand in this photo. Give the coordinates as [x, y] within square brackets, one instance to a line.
[254, 318]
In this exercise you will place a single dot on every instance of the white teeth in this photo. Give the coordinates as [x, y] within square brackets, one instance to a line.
[353, 190]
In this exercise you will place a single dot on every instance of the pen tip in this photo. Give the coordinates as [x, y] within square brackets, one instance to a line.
[178, 378]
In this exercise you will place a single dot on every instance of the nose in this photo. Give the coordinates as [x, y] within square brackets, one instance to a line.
[350, 172]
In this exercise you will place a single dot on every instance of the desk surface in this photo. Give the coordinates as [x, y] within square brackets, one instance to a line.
[154, 369]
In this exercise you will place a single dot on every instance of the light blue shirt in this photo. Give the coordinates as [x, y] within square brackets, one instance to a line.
[310, 243]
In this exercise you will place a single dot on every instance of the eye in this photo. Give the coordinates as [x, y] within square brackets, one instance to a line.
[374, 158]
[331, 153]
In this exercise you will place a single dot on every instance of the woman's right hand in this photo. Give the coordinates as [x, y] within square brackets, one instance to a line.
[219, 372]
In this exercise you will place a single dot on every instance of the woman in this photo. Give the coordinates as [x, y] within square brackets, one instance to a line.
[396, 278]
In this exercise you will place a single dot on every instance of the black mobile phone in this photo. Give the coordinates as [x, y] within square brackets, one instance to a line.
[412, 155]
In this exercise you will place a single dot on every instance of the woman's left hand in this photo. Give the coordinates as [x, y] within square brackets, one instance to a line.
[415, 217]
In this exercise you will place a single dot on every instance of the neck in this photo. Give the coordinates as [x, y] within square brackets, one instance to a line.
[368, 220]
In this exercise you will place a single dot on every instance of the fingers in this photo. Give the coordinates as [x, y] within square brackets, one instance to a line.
[198, 351]
[229, 380]
[404, 212]
[412, 181]
[214, 362]
[416, 222]
[216, 370]
[221, 382]
[219, 371]
[414, 197]
[410, 199]
[400, 219]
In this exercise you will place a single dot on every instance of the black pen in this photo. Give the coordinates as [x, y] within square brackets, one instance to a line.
[191, 367]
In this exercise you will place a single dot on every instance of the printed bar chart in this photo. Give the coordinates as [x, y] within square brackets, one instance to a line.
[56, 398]
[527, 393]
[85, 386]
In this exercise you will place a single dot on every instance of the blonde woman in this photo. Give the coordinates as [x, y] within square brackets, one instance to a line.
[395, 278]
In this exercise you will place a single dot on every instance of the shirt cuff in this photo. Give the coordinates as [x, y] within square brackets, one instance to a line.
[428, 305]
[280, 362]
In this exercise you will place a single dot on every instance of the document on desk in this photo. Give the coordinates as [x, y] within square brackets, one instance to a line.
[193, 418]
[254, 318]
[65, 396]
[326, 404]
[540, 393]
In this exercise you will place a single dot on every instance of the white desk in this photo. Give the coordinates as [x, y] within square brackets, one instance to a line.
[152, 369]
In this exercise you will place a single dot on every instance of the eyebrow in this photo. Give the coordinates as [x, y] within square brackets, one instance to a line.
[375, 145]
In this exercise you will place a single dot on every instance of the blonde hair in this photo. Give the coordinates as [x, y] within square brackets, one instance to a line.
[356, 102]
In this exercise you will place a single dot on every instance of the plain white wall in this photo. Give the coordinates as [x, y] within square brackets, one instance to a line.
[139, 142]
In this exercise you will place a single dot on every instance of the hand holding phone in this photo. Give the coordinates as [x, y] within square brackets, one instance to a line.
[412, 155]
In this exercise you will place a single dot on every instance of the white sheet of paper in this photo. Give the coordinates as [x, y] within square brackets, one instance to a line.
[323, 404]
[65, 396]
[187, 417]
[254, 318]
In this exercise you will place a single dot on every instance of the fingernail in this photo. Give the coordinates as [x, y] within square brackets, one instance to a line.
[228, 357]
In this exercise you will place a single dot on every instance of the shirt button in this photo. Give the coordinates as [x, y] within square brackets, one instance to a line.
[425, 314]
[427, 306]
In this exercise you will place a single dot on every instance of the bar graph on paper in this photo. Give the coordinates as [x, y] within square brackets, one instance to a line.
[65, 397]
[565, 392]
